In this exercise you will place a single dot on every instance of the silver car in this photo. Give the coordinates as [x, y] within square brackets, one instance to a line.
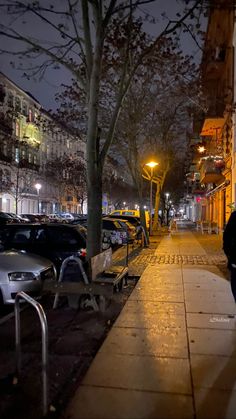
[21, 271]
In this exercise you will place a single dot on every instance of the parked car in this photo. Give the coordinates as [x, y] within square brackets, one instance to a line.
[135, 221]
[52, 241]
[20, 271]
[131, 229]
[66, 216]
[33, 218]
[82, 221]
[132, 213]
[6, 218]
[55, 218]
[15, 218]
[114, 232]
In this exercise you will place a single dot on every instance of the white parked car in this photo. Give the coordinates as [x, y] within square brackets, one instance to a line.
[67, 216]
[21, 271]
[54, 217]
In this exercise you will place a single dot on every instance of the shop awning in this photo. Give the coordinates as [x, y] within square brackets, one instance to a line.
[212, 126]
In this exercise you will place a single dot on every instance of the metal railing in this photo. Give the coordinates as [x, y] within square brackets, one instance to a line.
[42, 317]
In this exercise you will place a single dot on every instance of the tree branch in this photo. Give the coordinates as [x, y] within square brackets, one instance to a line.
[46, 51]
[87, 38]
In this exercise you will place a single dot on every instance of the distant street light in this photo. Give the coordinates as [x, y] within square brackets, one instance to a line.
[151, 164]
[38, 186]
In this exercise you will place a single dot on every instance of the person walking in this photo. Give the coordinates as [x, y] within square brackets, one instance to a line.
[229, 247]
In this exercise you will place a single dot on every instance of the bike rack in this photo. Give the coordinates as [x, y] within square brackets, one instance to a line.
[44, 327]
[62, 270]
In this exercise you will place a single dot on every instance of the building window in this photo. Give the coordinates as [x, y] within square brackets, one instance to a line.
[24, 109]
[17, 104]
[10, 99]
[68, 143]
[23, 154]
[17, 155]
[48, 150]
[6, 177]
[35, 159]
[17, 129]
[29, 157]
[4, 148]
[30, 115]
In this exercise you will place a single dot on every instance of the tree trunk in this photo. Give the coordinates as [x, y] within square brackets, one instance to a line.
[158, 194]
[94, 164]
[94, 210]
[139, 184]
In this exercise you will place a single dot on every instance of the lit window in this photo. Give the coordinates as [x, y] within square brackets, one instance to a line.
[30, 158]
[17, 155]
[30, 115]
[35, 159]
[17, 129]
[68, 143]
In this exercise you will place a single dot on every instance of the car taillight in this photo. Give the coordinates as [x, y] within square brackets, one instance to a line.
[83, 252]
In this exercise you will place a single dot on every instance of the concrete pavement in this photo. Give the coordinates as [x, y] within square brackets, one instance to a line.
[172, 351]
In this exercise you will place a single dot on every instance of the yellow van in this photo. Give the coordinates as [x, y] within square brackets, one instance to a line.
[133, 213]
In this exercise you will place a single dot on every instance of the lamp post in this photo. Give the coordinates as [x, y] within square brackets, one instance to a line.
[38, 186]
[151, 164]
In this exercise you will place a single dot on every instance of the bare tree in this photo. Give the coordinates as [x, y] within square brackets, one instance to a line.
[154, 118]
[83, 29]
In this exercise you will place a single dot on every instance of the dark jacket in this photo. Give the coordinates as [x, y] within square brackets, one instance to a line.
[229, 239]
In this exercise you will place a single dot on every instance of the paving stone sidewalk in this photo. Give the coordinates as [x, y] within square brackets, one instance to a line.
[172, 351]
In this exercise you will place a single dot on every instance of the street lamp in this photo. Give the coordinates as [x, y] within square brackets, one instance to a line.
[151, 164]
[38, 186]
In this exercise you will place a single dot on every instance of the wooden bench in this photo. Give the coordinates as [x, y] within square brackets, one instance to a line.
[105, 279]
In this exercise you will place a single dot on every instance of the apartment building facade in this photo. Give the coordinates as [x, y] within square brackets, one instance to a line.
[30, 139]
[212, 171]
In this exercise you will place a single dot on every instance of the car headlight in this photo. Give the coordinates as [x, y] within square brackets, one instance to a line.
[21, 276]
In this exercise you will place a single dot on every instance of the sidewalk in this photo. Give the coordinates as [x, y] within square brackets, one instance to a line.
[172, 351]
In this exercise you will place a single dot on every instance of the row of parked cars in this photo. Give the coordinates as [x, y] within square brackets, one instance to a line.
[34, 251]
[9, 217]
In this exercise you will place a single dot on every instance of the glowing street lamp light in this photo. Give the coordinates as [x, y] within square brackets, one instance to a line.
[201, 149]
[38, 186]
[151, 164]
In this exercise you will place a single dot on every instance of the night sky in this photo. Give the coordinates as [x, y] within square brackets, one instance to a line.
[45, 90]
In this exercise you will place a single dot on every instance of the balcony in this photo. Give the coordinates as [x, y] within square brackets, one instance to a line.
[25, 164]
[211, 171]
